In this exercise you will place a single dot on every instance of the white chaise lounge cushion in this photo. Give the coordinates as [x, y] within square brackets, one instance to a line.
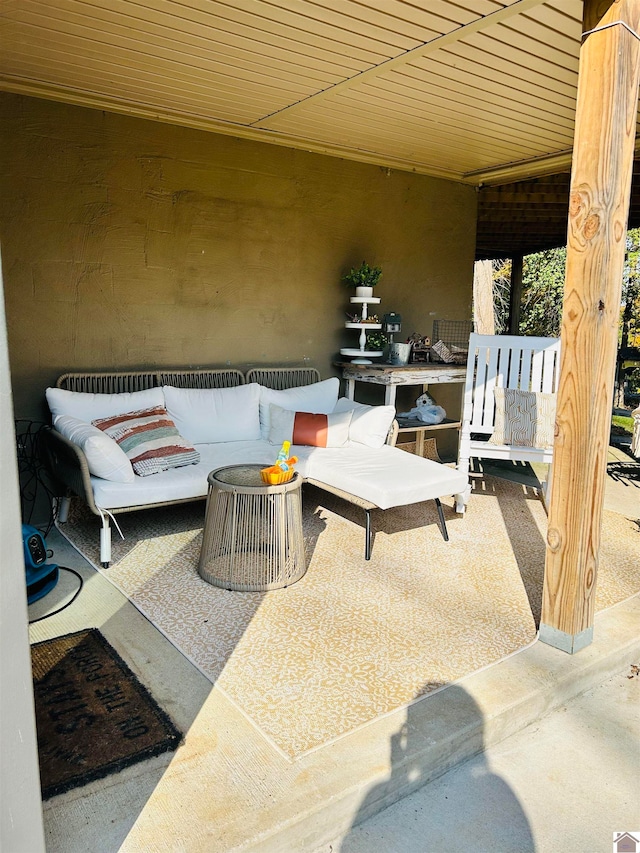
[211, 415]
[319, 398]
[104, 457]
[385, 476]
[370, 425]
[89, 407]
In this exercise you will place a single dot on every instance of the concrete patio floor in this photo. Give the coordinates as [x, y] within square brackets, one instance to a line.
[225, 790]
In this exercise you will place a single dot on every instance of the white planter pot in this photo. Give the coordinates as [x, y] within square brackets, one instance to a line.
[364, 291]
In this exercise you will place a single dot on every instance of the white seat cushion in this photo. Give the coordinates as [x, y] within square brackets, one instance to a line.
[384, 476]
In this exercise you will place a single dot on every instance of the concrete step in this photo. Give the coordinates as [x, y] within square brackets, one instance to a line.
[445, 729]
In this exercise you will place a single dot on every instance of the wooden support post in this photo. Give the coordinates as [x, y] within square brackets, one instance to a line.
[515, 295]
[604, 141]
[483, 312]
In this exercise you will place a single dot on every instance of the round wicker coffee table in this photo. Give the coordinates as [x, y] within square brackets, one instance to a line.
[252, 538]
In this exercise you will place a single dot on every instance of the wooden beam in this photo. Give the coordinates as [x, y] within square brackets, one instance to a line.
[515, 294]
[607, 104]
[483, 311]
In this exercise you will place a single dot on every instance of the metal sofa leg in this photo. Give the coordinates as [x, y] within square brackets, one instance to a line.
[443, 526]
[63, 509]
[367, 535]
[105, 541]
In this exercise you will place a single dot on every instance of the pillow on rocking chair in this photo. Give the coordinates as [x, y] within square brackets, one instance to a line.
[524, 418]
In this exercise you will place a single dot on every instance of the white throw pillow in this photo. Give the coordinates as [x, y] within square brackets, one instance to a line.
[89, 407]
[319, 398]
[369, 424]
[524, 418]
[104, 457]
[308, 430]
[211, 415]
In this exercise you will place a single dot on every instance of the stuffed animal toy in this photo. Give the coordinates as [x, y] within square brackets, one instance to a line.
[426, 410]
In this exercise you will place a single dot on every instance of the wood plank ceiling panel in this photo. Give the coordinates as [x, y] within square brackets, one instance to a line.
[449, 87]
[470, 115]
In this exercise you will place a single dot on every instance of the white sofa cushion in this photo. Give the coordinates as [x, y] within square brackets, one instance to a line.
[104, 457]
[191, 481]
[88, 407]
[385, 476]
[307, 429]
[211, 415]
[369, 424]
[319, 398]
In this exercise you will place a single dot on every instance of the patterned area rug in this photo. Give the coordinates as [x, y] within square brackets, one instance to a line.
[353, 640]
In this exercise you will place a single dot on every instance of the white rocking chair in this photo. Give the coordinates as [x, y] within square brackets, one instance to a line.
[510, 362]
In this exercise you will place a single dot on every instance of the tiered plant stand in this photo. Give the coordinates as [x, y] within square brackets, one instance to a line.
[363, 355]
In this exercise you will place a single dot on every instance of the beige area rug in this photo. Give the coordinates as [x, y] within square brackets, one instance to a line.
[353, 640]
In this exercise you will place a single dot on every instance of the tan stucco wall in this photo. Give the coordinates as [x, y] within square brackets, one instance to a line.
[129, 243]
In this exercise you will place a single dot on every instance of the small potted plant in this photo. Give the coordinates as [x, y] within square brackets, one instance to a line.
[364, 278]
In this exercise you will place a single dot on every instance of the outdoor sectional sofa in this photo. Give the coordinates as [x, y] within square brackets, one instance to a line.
[227, 418]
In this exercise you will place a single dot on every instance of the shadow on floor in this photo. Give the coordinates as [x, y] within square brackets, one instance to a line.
[485, 793]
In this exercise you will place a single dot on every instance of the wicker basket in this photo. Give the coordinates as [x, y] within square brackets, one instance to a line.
[275, 476]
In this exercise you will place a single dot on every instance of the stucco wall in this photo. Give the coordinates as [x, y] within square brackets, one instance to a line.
[129, 243]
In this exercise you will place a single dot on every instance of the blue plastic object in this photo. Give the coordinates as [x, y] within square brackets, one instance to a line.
[41, 576]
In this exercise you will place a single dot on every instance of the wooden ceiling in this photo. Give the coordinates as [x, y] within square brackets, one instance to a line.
[479, 91]
[528, 216]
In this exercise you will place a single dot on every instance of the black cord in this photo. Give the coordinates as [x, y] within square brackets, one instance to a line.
[69, 603]
[31, 470]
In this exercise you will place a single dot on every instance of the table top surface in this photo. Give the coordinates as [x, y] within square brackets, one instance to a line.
[246, 476]
[381, 367]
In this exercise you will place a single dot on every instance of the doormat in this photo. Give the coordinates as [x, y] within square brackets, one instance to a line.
[93, 716]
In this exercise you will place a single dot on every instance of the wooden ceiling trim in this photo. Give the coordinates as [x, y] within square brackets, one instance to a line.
[137, 98]
[71, 95]
[494, 18]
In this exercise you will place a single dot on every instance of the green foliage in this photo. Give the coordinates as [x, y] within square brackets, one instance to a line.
[542, 291]
[363, 276]
[630, 309]
[376, 340]
[623, 423]
[634, 380]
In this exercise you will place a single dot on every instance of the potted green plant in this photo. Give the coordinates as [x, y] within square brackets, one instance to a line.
[377, 340]
[364, 278]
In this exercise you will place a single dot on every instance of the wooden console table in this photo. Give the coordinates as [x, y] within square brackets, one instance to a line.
[391, 376]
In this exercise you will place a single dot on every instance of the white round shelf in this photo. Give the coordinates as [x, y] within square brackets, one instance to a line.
[356, 352]
[365, 300]
[363, 325]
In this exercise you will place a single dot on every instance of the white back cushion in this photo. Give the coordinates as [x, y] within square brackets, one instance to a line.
[89, 407]
[369, 424]
[319, 398]
[210, 415]
[105, 458]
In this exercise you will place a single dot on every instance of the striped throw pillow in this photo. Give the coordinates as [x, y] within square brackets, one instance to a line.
[524, 418]
[150, 440]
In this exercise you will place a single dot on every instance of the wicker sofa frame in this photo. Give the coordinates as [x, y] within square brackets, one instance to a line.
[68, 466]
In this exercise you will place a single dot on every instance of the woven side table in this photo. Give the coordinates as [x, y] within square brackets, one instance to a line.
[252, 537]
